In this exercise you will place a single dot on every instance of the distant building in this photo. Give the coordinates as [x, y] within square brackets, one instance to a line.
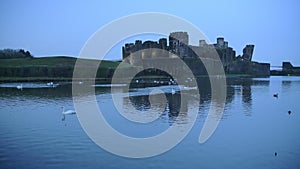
[288, 68]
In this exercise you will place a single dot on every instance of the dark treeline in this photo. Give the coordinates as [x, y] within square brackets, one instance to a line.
[14, 53]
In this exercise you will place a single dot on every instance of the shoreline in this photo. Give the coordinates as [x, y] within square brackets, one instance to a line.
[108, 80]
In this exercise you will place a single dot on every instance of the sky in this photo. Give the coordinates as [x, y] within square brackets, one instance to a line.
[56, 27]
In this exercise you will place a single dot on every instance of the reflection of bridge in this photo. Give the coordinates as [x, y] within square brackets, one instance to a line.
[275, 67]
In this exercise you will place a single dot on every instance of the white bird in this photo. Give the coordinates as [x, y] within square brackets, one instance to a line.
[67, 112]
[20, 87]
[173, 91]
[50, 84]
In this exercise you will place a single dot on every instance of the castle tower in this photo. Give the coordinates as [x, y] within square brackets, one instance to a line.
[127, 50]
[248, 52]
[138, 45]
[163, 43]
[178, 43]
[225, 44]
[202, 43]
[220, 42]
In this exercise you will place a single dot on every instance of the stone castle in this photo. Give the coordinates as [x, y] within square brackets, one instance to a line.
[135, 54]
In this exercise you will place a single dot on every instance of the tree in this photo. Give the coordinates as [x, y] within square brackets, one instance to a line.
[28, 54]
[12, 53]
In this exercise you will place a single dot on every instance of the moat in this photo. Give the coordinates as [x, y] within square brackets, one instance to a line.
[253, 127]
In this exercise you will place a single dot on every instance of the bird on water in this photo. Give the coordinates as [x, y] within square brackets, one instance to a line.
[67, 112]
[20, 86]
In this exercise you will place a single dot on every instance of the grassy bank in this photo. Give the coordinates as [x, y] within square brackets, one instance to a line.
[59, 68]
[53, 61]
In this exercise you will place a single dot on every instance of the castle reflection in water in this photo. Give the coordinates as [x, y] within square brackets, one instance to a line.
[236, 88]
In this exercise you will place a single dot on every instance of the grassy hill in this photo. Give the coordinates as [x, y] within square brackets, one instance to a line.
[49, 61]
[55, 68]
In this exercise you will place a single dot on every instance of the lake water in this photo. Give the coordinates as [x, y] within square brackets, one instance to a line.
[255, 125]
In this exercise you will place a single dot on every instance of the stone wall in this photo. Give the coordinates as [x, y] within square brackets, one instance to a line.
[249, 68]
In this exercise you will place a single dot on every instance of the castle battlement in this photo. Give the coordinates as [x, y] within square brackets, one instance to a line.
[178, 45]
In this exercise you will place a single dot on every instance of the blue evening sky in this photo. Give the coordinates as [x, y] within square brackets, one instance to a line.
[60, 27]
